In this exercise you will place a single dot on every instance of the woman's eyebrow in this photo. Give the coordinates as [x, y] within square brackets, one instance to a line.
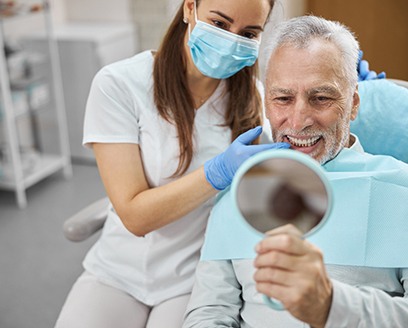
[222, 15]
[229, 19]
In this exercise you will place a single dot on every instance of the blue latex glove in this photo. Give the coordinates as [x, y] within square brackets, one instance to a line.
[220, 170]
[364, 73]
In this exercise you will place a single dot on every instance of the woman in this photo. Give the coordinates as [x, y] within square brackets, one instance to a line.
[153, 121]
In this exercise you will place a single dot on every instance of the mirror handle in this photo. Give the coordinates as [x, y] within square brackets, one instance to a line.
[274, 304]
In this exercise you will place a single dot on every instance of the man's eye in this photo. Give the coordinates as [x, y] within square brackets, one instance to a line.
[320, 99]
[282, 99]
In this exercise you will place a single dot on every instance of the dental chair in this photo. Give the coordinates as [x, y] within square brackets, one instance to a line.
[381, 125]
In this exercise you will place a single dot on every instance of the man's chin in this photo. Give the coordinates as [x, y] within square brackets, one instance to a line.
[318, 156]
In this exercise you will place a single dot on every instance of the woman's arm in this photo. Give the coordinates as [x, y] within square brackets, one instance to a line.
[143, 209]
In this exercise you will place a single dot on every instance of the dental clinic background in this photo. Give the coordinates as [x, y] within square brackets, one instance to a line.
[38, 265]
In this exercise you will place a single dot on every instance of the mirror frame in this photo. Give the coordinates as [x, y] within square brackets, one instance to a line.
[298, 156]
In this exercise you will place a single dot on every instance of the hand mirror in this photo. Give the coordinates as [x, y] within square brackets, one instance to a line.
[280, 187]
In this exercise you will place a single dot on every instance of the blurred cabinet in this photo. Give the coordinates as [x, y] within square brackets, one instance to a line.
[85, 48]
[380, 26]
[31, 104]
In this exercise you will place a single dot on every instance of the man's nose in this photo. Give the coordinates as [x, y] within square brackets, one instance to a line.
[301, 116]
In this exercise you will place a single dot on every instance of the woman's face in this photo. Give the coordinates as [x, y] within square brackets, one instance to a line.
[244, 17]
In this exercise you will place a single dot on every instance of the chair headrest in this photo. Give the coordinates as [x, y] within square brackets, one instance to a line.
[382, 120]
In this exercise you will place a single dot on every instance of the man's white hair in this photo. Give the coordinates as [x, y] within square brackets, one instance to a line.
[300, 31]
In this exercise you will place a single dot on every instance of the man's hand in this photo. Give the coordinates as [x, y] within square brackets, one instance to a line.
[291, 270]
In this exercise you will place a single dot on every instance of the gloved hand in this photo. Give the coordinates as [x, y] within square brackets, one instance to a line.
[220, 170]
[364, 73]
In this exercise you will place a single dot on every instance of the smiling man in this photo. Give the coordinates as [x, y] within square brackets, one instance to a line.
[311, 97]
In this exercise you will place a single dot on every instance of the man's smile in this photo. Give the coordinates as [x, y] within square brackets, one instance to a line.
[303, 142]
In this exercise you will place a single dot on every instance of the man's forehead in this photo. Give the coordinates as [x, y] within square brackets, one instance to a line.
[317, 54]
[328, 88]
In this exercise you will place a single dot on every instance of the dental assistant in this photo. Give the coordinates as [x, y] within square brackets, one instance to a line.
[161, 125]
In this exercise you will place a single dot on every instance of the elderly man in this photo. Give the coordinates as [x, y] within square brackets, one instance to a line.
[311, 97]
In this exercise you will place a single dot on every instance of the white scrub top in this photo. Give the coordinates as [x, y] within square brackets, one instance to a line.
[121, 109]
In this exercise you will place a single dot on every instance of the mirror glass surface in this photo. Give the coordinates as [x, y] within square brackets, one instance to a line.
[278, 191]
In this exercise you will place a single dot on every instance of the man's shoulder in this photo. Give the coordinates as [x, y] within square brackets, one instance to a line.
[352, 160]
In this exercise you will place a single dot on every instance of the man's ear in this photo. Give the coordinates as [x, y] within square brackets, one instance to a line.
[356, 105]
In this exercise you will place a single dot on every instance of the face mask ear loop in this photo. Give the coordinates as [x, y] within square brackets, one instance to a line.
[195, 11]
[195, 18]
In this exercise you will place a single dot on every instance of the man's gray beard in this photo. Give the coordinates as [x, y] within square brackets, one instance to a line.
[335, 151]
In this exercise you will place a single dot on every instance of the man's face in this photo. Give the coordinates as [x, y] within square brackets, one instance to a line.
[308, 101]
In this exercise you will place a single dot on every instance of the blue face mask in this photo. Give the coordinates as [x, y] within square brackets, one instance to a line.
[220, 54]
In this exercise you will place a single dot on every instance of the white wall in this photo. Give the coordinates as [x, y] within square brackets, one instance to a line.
[151, 16]
[58, 11]
[152, 20]
[99, 10]
[18, 26]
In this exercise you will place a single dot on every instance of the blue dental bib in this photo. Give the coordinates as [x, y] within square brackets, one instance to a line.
[368, 225]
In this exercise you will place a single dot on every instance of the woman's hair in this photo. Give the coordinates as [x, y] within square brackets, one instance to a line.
[175, 102]
[299, 32]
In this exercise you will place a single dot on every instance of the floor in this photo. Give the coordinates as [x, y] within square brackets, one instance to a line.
[37, 264]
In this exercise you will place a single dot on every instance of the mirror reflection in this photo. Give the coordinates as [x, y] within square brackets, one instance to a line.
[279, 191]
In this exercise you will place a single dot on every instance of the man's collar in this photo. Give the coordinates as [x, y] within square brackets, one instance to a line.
[355, 144]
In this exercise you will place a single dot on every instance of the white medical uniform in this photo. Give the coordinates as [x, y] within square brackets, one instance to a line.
[121, 109]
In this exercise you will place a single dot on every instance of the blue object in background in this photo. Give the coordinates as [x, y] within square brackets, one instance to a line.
[363, 69]
[382, 120]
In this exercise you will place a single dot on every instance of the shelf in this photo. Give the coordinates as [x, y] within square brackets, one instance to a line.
[29, 98]
[25, 83]
[15, 10]
[23, 167]
[45, 165]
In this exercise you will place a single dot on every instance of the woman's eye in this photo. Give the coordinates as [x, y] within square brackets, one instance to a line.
[249, 35]
[220, 24]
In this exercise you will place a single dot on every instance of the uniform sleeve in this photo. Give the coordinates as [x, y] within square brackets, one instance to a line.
[111, 115]
[367, 307]
[216, 297]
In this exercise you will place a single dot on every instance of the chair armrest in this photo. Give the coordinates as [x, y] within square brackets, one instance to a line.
[87, 221]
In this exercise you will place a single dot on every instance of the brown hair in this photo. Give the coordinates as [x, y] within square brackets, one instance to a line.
[175, 103]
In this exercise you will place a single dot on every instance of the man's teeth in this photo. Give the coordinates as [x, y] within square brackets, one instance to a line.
[303, 142]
